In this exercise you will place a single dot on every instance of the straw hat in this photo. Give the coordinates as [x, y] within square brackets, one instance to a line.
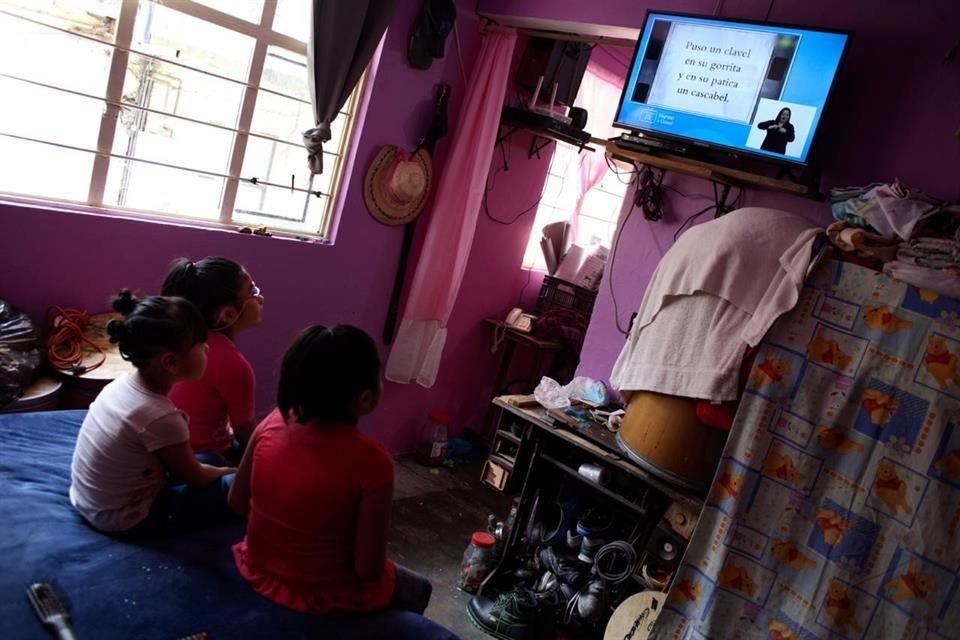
[397, 185]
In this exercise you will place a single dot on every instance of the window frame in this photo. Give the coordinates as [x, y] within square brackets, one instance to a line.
[336, 162]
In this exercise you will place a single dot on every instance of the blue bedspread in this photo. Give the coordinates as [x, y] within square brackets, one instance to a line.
[164, 588]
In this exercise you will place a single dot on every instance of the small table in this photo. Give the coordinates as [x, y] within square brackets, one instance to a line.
[80, 390]
[511, 338]
[42, 395]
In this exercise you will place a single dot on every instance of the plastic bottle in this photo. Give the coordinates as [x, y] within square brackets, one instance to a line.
[432, 445]
[477, 561]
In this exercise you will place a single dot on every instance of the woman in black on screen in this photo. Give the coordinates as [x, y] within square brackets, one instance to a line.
[779, 132]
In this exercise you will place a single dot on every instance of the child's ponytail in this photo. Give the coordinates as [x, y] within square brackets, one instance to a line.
[153, 325]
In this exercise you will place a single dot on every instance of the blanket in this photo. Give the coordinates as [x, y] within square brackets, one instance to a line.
[835, 512]
[162, 588]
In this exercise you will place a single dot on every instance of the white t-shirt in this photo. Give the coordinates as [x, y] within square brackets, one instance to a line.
[116, 471]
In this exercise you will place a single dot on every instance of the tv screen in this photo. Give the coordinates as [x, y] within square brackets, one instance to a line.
[756, 88]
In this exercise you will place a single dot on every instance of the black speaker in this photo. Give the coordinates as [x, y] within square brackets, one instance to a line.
[559, 61]
[578, 117]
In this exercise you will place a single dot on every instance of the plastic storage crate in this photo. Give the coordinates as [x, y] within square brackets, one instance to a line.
[556, 293]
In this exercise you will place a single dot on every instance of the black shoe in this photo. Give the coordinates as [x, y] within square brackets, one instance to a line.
[511, 617]
[568, 572]
[592, 601]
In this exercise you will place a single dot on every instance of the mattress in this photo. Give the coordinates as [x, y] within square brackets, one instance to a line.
[160, 588]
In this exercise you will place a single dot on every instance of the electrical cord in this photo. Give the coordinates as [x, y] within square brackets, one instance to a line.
[486, 205]
[649, 195]
[690, 219]
[610, 266]
[615, 561]
[66, 340]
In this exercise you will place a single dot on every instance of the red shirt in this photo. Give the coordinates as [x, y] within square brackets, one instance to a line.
[224, 395]
[305, 485]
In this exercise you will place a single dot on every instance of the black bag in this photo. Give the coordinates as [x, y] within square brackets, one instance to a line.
[20, 356]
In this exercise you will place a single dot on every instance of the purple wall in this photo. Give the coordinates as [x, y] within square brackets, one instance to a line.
[894, 116]
[60, 257]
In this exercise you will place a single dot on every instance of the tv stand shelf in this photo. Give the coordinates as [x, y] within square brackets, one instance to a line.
[706, 170]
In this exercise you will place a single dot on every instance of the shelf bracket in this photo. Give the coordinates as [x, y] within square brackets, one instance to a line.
[535, 148]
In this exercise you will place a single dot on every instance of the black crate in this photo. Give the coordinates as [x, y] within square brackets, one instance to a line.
[556, 293]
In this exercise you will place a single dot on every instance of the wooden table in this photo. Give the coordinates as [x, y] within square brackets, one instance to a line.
[512, 338]
[80, 390]
[42, 395]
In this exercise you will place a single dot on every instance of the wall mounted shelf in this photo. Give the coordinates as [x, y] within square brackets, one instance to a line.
[706, 170]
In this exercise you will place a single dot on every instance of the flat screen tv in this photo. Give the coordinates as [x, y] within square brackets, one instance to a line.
[744, 87]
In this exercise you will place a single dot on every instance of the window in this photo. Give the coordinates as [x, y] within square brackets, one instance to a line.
[582, 187]
[184, 108]
[596, 221]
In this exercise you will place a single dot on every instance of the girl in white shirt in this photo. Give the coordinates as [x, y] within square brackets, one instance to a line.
[133, 468]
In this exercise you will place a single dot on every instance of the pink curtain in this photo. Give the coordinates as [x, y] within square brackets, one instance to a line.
[599, 94]
[423, 331]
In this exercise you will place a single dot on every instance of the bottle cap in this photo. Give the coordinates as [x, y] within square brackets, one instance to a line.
[482, 539]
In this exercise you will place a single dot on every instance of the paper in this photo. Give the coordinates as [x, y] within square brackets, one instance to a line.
[571, 264]
[558, 235]
[549, 257]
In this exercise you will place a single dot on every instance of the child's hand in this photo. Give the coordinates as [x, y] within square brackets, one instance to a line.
[216, 472]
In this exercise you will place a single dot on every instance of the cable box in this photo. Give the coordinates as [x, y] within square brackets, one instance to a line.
[645, 143]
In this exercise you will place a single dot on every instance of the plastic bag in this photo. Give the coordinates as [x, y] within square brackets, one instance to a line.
[20, 356]
[552, 395]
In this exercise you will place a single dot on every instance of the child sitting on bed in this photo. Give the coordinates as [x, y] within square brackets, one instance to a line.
[133, 440]
[220, 404]
[318, 491]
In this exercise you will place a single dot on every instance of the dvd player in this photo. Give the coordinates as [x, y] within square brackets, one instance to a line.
[646, 143]
[526, 118]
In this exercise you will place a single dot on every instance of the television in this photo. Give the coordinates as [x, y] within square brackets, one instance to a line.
[754, 88]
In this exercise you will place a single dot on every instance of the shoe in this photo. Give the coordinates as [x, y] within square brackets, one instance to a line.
[593, 526]
[593, 601]
[547, 582]
[568, 572]
[511, 617]
[589, 548]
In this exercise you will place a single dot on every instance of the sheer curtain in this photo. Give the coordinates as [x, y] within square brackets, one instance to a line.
[599, 95]
[574, 174]
[419, 345]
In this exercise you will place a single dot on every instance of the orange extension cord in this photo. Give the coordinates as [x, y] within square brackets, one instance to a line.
[66, 340]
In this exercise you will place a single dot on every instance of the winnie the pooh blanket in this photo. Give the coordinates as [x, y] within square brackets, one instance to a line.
[835, 512]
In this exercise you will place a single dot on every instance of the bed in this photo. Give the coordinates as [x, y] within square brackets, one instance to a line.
[165, 588]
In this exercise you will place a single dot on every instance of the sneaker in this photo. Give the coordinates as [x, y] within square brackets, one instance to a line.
[511, 617]
[568, 571]
[593, 601]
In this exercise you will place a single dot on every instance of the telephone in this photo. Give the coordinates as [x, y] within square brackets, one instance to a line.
[519, 320]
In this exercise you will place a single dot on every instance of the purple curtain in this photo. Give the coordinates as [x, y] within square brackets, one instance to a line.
[344, 36]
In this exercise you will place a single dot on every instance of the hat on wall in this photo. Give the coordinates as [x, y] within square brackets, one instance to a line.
[397, 185]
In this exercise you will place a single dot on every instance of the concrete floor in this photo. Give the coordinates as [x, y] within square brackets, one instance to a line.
[434, 513]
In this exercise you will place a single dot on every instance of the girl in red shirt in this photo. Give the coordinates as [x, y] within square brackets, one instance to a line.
[317, 491]
[220, 404]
